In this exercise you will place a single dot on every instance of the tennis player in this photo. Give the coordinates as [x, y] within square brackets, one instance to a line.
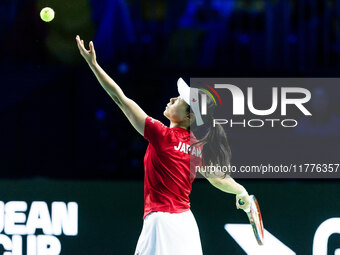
[169, 227]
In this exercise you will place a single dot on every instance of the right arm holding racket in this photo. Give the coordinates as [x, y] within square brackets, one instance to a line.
[132, 111]
[243, 201]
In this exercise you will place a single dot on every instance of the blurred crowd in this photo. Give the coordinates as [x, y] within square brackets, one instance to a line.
[56, 121]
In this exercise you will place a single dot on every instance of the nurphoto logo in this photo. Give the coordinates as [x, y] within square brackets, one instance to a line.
[295, 96]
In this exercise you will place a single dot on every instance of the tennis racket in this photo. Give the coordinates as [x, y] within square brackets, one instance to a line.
[255, 219]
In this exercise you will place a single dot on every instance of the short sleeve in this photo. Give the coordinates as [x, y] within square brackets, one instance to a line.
[155, 132]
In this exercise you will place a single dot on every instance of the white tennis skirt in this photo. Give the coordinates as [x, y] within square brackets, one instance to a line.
[166, 233]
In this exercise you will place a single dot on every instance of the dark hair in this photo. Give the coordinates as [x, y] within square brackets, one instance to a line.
[214, 141]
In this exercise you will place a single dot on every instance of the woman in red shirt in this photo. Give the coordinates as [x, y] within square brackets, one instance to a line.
[169, 227]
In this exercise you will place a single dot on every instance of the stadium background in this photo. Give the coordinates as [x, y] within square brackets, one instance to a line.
[63, 139]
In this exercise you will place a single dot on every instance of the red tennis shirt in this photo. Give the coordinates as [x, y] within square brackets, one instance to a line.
[168, 178]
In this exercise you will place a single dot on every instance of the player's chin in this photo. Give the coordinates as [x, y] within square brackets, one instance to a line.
[166, 114]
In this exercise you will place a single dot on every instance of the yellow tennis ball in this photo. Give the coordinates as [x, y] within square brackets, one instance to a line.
[47, 14]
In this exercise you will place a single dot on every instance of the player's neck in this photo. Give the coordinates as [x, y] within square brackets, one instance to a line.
[178, 125]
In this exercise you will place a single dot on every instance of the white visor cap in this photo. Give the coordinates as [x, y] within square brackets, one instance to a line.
[191, 97]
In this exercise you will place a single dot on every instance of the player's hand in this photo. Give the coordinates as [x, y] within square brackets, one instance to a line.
[88, 55]
[245, 199]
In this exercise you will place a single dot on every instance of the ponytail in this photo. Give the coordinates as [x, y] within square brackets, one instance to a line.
[215, 147]
[216, 150]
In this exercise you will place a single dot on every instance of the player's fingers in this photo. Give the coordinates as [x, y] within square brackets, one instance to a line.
[245, 205]
[77, 40]
[82, 49]
[242, 204]
[91, 46]
[82, 42]
[80, 45]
